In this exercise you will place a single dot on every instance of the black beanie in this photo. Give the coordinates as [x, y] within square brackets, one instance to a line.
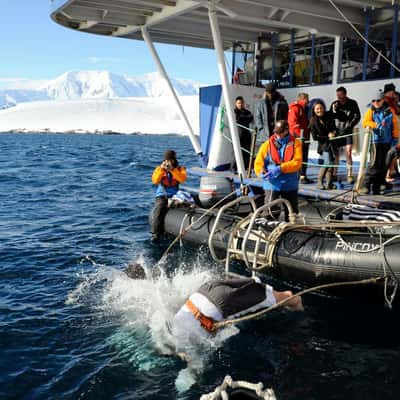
[389, 87]
[169, 155]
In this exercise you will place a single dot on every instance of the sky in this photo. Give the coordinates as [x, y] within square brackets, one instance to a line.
[35, 47]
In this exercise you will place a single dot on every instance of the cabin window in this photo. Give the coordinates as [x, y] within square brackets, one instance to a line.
[243, 64]
[361, 62]
[295, 59]
[299, 58]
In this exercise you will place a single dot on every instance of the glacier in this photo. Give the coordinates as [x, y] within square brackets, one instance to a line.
[97, 101]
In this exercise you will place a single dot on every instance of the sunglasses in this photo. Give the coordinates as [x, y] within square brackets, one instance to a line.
[376, 100]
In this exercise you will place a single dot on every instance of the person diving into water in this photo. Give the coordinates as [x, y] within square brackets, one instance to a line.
[190, 333]
[215, 301]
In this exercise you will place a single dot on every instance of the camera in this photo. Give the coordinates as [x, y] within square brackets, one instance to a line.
[167, 164]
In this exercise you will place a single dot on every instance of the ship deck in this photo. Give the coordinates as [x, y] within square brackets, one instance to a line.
[390, 198]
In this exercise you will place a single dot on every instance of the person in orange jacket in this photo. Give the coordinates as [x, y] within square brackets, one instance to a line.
[298, 126]
[278, 163]
[168, 175]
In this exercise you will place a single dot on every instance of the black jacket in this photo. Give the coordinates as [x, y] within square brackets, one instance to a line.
[346, 116]
[244, 117]
[320, 128]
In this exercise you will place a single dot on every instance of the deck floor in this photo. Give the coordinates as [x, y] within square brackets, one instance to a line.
[390, 199]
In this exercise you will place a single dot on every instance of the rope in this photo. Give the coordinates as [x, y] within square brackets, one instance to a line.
[333, 138]
[223, 324]
[220, 392]
[184, 231]
[181, 229]
[325, 165]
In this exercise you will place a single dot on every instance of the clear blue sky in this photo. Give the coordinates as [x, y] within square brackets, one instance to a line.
[35, 47]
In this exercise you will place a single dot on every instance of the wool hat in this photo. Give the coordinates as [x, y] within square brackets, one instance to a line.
[389, 87]
[169, 155]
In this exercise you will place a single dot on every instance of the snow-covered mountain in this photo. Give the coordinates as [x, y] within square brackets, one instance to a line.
[127, 115]
[76, 85]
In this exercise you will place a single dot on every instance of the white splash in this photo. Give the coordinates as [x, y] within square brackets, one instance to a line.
[143, 310]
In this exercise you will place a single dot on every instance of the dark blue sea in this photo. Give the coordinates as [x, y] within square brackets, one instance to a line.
[72, 326]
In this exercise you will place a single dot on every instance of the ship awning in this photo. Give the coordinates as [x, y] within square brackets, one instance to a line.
[185, 22]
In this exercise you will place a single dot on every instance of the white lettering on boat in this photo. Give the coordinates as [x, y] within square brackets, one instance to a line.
[356, 246]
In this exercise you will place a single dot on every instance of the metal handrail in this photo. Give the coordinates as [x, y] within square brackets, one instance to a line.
[268, 206]
[218, 217]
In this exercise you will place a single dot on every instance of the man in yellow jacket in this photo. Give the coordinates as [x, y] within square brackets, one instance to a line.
[168, 175]
[278, 163]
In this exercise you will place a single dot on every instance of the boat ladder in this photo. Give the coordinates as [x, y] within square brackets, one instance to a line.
[248, 240]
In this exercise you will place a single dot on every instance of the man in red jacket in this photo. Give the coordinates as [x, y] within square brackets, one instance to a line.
[298, 126]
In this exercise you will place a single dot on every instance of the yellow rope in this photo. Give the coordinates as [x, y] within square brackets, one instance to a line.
[223, 324]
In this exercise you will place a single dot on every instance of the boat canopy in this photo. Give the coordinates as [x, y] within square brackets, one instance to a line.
[186, 22]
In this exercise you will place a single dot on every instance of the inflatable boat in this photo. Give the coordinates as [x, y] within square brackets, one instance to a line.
[346, 245]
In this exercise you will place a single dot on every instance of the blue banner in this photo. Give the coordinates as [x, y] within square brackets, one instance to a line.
[210, 99]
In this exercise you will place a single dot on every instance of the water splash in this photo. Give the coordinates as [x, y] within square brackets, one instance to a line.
[143, 310]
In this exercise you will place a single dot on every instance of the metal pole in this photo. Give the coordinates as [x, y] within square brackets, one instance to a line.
[337, 60]
[274, 41]
[292, 57]
[365, 59]
[363, 159]
[394, 38]
[226, 90]
[163, 73]
[233, 60]
[312, 60]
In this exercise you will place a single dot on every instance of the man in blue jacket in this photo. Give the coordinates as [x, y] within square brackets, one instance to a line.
[379, 117]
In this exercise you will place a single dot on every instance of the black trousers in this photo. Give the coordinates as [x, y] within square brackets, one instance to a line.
[305, 148]
[157, 215]
[290, 196]
[376, 172]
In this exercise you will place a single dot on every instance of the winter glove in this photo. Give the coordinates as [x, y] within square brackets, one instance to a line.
[273, 171]
[263, 175]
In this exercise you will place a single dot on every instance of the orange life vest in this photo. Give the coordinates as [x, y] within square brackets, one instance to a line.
[274, 150]
[169, 181]
[206, 322]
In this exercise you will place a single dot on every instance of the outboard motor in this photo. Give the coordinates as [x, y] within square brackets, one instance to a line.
[213, 189]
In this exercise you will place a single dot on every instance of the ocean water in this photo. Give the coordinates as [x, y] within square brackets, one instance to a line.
[73, 326]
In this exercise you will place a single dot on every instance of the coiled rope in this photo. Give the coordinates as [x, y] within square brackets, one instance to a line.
[221, 391]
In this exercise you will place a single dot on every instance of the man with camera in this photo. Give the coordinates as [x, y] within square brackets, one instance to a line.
[168, 175]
